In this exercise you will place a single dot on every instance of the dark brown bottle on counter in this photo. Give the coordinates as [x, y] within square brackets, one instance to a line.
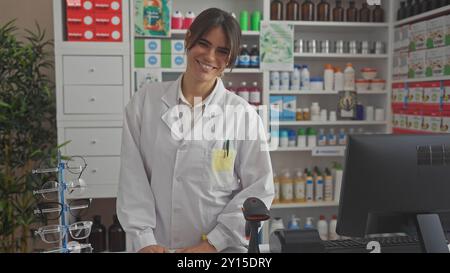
[307, 11]
[292, 10]
[116, 236]
[378, 14]
[416, 8]
[352, 12]
[425, 6]
[409, 8]
[401, 12]
[97, 238]
[323, 11]
[338, 12]
[276, 10]
[364, 13]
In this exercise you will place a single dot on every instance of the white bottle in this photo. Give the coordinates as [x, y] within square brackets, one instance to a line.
[332, 140]
[322, 228]
[328, 77]
[349, 78]
[285, 80]
[275, 80]
[322, 138]
[328, 191]
[338, 80]
[230, 87]
[299, 188]
[315, 111]
[295, 79]
[293, 223]
[306, 83]
[332, 233]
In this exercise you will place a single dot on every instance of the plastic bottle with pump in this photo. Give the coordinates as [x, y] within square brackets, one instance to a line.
[322, 227]
[293, 223]
[254, 57]
[306, 83]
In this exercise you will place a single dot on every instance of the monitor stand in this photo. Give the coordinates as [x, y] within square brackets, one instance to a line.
[431, 234]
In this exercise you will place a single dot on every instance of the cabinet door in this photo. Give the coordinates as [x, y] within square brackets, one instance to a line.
[79, 99]
[103, 70]
[93, 141]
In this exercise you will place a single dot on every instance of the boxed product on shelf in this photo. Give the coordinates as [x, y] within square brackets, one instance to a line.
[447, 33]
[447, 61]
[107, 34]
[436, 59]
[147, 46]
[144, 76]
[399, 95]
[413, 121]
[276, 107]
[80, 33]
[425, 125]
[418, 36]
[432, 95]
[173, 61]
[110, 6]
[289, 108]
[435, 122]
[152, 60]
[436, 32]
[152, 18]
[400, 65]
[445, 124]
[401, 38]
[415, 95]
[446, 96]
[177, 46]
[416, 64]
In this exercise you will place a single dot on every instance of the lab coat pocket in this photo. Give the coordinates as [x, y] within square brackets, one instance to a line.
[222, 168]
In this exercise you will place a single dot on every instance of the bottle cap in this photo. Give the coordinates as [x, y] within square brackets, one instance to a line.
[322, 217]
[301, 132]
[328, 67]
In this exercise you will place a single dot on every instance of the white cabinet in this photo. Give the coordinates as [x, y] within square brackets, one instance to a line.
[93, 141]
[85, 99]
[94, 70]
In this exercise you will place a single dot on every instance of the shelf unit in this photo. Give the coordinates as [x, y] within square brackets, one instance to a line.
[443, 78]
[423, 16]
[340, 56]
[304, 205]
[329, 123]
[319, 93]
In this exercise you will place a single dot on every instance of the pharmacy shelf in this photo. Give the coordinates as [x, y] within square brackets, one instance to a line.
[244, 33]
[340, 56]
[234, 71]
[305, 205]
[423, 16]
[300, 93]
[444, 78]
[307, 26]
[319, 151]
[327, 123]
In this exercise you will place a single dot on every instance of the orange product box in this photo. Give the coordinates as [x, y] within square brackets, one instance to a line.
[432, 96]
[108, 33]
[111, 6]
[80, 33]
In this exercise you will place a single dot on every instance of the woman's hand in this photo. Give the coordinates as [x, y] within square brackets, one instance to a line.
[203, 247]
[154, 249]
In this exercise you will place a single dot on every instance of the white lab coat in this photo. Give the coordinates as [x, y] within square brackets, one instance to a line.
[169, 192]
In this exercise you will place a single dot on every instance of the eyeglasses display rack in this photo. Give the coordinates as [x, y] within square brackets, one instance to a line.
[60, 233]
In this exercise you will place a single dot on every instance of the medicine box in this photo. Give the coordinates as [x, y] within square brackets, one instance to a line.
[289, 108]
[432, 95]
[417, 64]
[276, 107]
[436, 59]
[110, 6]
[447, 61]
[446, 96]
[436, 31]
[418, 36]
[147, 60]
[435, 122]
[415, 96]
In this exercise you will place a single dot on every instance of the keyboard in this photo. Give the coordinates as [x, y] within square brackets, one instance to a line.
[397, 244]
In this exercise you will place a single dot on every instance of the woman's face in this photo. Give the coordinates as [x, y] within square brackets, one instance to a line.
[208, 58]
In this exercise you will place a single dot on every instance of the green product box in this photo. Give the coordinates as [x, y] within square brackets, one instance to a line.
[166, 60]
[152, 18]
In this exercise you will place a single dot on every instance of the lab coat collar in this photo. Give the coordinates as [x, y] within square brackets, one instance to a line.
[170, 100]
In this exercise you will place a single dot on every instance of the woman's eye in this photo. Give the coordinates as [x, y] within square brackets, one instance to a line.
[201, 43]
[223, 52]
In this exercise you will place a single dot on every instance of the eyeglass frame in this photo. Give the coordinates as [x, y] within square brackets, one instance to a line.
[66, 187]
[63, 207]
[41, 231]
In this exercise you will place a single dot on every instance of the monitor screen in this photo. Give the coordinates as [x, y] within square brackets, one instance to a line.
[389, 179]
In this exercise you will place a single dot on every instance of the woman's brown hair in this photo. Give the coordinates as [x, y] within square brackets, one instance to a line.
[211, 18]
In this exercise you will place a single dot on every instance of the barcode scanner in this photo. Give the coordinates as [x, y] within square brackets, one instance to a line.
[254, 211]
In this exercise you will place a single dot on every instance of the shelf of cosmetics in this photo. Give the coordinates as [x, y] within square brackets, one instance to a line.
[101, 239]
[308, 186]
[323, 11]
[311, 138]
[426, 96]
[326, 228]
[333, 79]
[409, 8]
[339, 47]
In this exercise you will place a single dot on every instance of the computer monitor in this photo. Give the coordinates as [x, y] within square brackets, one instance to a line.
[396, 184]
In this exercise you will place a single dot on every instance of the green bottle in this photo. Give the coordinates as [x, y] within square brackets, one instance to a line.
[256, 21]
[244, 20]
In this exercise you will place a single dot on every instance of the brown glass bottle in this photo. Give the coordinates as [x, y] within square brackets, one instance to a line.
[378, 14]
[292, 10]
[338, 12]
[409, 8]
[416, 8]
[276, 10]
[401, 12]
[323, 11]
[307, 11]
[116, 236]
[425, 6]
[352, 12]
[97, 238]
[364, 13]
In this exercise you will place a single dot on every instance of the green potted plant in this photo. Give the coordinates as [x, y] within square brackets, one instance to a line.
[27, 130]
